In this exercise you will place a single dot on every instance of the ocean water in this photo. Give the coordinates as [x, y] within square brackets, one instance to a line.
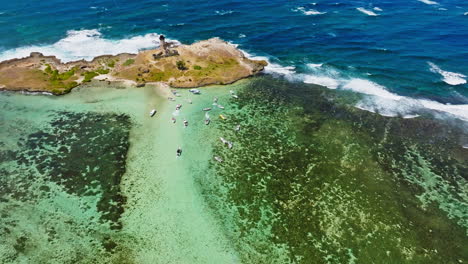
[351, 148]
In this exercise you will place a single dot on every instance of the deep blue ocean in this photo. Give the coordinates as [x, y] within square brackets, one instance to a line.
[404, 55]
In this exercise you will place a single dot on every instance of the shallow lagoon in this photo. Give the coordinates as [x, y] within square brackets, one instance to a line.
[90, 177]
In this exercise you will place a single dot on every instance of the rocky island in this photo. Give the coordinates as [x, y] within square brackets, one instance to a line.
[206, 62]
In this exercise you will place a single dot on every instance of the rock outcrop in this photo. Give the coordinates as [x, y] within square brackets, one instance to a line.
[207, 62]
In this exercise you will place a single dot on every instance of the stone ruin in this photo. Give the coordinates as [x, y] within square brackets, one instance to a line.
[164, 49]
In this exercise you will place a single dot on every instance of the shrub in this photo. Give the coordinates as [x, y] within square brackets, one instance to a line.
[89, 75]
[128, 62]
[111, 64]
[102, 71]
[181, 65]
[196, 67]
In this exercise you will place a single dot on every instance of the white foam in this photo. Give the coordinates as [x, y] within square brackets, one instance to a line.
[85, 44]
[378, 9]
[365, 11]
[223, 12]
[242, 35]
[465, 14]
[273, 68]
[389, 104]
[322, 80]
[378, 100]
[371, 88]
[451, 78]
[428, 2]
[314, 65]
[308, 12]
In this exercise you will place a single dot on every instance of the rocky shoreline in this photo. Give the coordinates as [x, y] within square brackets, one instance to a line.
[203, 63]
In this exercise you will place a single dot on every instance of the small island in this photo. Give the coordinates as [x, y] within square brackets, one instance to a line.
[206, 62]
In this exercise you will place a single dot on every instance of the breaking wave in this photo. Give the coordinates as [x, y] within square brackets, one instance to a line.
[85, 44]
[377, 99]
[428, 2]
[451, 78]
[308, 12]
[367, 12]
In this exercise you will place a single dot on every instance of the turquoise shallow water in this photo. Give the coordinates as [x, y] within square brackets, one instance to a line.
[90, 177]
[370, 168]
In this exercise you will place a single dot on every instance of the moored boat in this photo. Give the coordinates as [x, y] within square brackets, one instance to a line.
[152, 112]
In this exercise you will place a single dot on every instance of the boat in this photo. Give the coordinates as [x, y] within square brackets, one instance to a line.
[171, 99]
[220, 106]
[207, 121]
[179, 152]
[173, 119]
[218, 159]
[206, 109]
[152, 112]
[237, 128]
[178, 106]
[222, 117]
[231, 91]
[225, 142]
[185, 123]
[215, 99]
[234, 96]
[194, 91]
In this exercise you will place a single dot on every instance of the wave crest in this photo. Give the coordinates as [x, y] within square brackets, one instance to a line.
[85, 44]
[365, 11]
[451, 78]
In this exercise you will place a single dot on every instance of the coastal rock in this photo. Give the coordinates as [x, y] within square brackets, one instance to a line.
[206, 62]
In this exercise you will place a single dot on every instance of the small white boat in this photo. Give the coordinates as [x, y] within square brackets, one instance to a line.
[223, 140]
[218, 159]
[152, 112]
[173, 120]
[207, 121]
[231, 91]
[229, 144]
[194, 91]
[215, 99]
[206, 109]
[234, 96]
[220, 106]
[185, 123]
[179, 152]
[178, 106]
[237, 128]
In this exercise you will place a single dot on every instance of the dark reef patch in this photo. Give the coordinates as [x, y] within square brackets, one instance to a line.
[82, 152]
[330, 183]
